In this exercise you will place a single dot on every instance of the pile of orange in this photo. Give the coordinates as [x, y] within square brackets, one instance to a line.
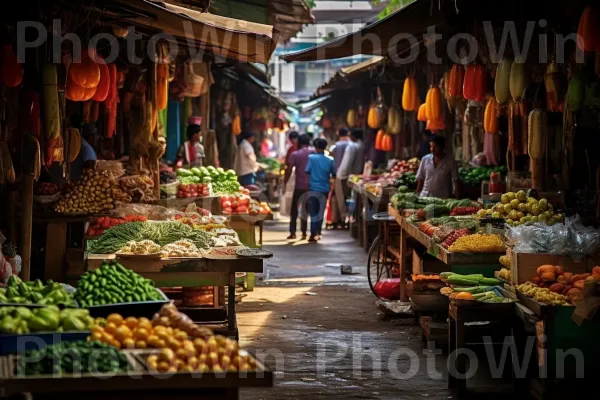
[216, 354]
[128, 333]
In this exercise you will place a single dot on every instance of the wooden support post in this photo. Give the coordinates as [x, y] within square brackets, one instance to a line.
[402, 260]
[26, 223]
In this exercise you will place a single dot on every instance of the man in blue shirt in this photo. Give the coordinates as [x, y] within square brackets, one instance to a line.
[320, 169]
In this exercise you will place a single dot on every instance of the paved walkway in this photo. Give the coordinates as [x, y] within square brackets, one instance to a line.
[322, 331]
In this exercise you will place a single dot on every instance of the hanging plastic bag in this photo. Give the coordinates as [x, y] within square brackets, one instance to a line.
[193, 83]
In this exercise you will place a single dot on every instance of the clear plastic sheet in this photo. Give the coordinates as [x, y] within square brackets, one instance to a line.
[570, 238]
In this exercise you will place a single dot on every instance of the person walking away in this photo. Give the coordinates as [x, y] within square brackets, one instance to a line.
[321, 169]
[294, 138]
[437, 172]
[191, 153]
[245, 164]
[353, 162]
[338, 193]
[299, 160]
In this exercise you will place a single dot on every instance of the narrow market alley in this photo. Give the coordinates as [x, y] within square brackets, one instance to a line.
[322, 332]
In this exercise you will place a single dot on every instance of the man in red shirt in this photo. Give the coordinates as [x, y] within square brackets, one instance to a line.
[293, 136]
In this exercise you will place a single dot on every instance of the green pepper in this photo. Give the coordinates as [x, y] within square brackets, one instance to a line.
[12, 292]
[9, 324]
[3, 299]
[73, 324]
[18, 300]
[39, 324]
[13, 281]
[52, 317]
[35, 297]
[24, 313]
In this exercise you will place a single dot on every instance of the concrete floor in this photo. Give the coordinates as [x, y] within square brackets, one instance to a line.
[322, 332]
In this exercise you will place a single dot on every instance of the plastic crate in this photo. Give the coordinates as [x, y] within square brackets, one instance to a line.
[137, 309]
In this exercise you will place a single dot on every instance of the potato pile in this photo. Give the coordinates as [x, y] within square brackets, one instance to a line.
[518, 209]
[92, 194]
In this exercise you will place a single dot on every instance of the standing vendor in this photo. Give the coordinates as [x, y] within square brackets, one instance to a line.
[245, 164]
[191, 153]
[437, 172]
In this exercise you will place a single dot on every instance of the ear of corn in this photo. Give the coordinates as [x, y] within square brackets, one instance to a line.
[351, 118]
[518, 80]
[395, 121]
[501, 85]
[490, 116]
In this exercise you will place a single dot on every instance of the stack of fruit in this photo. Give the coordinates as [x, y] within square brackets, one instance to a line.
[518, 208]
[236, 203]
[556, 280]
[34, 292]
[21, 320]
[99, 225]
[126, 333]
[93, 194]
[259, 208]
[190, 190]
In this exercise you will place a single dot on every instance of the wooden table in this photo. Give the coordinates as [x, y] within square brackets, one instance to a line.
[461, 263]
[245, 226]
[375, 204]
[192, 272]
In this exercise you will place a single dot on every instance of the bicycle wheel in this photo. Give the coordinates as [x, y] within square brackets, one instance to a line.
[378, 265]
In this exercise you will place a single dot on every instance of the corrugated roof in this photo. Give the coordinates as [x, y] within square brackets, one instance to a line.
[414, 18]
[231, 38]
[343, 79]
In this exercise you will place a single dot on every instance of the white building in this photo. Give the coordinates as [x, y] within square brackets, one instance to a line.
[333, 18]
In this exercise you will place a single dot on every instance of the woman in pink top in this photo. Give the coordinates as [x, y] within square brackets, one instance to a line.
[298, 160]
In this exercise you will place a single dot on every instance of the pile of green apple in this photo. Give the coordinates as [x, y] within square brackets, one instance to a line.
[518, 209]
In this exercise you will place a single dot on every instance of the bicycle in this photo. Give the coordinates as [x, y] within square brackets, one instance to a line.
[381, 264]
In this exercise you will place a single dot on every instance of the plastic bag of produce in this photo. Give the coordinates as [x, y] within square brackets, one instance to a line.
[388, 288]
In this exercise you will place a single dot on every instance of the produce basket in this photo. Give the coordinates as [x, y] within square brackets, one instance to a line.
[170, 189]
[10, 344]
[50, 199]
[138, 309]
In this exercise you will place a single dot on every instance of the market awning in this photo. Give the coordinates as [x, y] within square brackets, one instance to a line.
[379, 38]
[226, 37]
[344, 77]
[312, 104]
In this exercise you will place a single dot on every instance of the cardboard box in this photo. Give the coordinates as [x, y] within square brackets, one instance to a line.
[525, 265]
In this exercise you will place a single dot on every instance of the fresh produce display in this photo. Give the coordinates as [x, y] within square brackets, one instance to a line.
[468, 280]
[167, 177]
[72, 357]
[223, 182]
[194, 190]
[481, 294]
[160, 232]
[93, 194]
[113, 284]
[181, 248]
[407, 179]
[474, 176]
[544, 295]
[139, 187]
[34, 292]
[141, 247]
[471, 210]
[518, 208]
[126, 333]
[236, 203]
[99, 225]
[21, 320]
[273, 165]
[505, 274]
[257, 208]
[478, 243]
[406, 199]
[46, 189]
[453, 237]
[555, 279]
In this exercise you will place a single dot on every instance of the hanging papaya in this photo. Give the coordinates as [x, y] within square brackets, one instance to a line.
[490, 116]
[75, 92]
[395, 120]
[576, 92]
[104, 84]
[12, 69]
[236, 125]
[537, 123]
[162, 85]
[475, 83]
[373, 118]
[422, 114]
[379, 140]
[588, 31]
[455, 84]
[387, 143]
[351, 118]
[435, 125]
[86, 72]
[410, 95]
[517, 80]
[433, 103]
[502, 82]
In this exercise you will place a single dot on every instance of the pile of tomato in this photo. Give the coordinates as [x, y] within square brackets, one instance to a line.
[100, 224]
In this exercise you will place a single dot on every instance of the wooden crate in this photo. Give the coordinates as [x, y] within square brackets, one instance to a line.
[427, 263]
[525, 265]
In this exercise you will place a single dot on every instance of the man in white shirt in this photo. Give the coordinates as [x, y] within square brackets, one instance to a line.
[245, 164]
[353, 162]
[437, 172]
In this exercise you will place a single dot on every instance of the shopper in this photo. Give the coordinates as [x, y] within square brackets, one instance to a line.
[298, 160]
[245, 164]
[293, 137]
[339, 195]
[352, 163]
[321, 169]
[191, 153]
[437, 172]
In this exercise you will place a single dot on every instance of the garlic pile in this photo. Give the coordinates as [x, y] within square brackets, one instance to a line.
[181, 248]
[141, 247]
